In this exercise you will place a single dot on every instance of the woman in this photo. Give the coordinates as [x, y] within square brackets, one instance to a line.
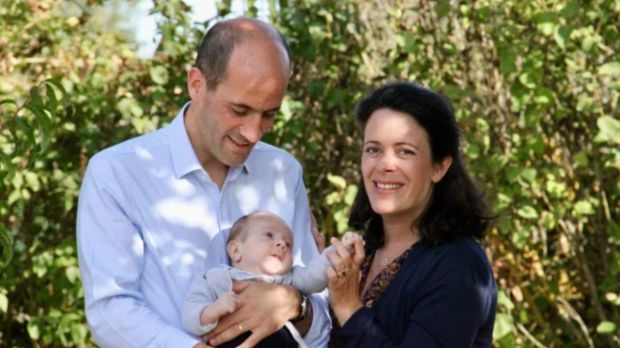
[425, 282]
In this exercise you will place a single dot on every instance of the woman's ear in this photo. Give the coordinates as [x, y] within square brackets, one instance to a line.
[440, 169]
[234, 252]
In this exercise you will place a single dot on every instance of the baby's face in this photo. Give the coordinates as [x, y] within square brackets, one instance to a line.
[266, 247]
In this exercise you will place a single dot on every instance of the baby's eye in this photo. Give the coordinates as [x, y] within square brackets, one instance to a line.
[268, 234]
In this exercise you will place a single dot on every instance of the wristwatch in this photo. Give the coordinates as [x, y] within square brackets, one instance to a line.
[303, 309]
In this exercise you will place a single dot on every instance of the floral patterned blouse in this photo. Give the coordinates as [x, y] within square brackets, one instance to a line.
[382, 280]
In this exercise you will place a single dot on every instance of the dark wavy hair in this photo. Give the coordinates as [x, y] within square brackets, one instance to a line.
[218, 43]
[456, 206]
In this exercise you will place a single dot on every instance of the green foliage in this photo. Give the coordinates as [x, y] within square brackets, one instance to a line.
[69, 89]
[534, 85]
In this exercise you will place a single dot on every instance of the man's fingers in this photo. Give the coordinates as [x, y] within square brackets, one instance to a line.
[256, 336]
[227, 334]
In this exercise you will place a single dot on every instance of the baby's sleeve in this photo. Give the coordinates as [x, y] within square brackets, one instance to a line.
[313, 277]
[205, 289]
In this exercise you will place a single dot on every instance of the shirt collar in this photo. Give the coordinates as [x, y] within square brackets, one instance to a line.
[183, 155]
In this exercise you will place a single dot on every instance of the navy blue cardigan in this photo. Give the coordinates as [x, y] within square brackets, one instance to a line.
[443, 296]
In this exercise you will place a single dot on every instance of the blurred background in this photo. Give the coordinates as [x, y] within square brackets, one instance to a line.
[535, 85]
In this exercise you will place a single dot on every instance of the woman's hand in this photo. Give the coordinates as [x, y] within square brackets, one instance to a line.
[344, 279]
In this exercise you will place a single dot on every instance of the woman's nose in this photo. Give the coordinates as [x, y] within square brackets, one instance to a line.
[387, 162]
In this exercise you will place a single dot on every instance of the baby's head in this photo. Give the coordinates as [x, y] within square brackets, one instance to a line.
[260, 242]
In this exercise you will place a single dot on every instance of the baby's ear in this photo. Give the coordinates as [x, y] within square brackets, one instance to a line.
[234, 252]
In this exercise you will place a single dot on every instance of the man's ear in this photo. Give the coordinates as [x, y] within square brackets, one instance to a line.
[195, 83]
[440, 169]
[234, 252]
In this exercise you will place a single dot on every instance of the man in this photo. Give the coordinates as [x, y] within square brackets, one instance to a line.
[155, 210]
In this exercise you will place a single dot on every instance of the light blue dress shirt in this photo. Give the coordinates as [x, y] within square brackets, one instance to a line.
[150, 218]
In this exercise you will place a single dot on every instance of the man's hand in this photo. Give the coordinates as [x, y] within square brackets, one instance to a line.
[261, 308]
[201, 345]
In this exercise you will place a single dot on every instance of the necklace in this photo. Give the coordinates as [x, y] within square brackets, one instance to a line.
[385, 261]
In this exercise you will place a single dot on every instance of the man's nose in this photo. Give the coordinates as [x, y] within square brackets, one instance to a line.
[252, 129]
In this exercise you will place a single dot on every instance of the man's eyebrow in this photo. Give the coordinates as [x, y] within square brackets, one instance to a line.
[245, 106]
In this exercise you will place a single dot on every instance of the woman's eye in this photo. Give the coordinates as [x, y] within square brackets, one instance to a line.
[371, 149]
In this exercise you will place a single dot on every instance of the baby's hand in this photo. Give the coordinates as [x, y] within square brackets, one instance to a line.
[226, 303]
[348, 239]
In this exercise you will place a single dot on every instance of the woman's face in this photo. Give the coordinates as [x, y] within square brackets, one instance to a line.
[397, 165]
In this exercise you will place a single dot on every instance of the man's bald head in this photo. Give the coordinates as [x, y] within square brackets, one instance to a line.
[218, 44]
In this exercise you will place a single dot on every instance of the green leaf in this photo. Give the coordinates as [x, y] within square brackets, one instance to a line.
[443, 8]
[580, 159]
[504, 325]
[159, 74]
[73, 274]
[337, 181]
[606, 327]
[7, 101]
[4, 303]
[507, 60]
[610, 69]
[527, 212]
[6, 246]
[332, 198]
[33, 329]
[609, 130]
[350, 195]
[561, 35]
[129, 108]
[583, 208]
[43, 117]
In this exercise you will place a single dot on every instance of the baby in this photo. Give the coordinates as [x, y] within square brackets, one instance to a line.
[259, 248]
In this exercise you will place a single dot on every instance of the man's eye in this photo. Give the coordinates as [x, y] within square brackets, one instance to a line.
[240, 112]
[270, 114]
